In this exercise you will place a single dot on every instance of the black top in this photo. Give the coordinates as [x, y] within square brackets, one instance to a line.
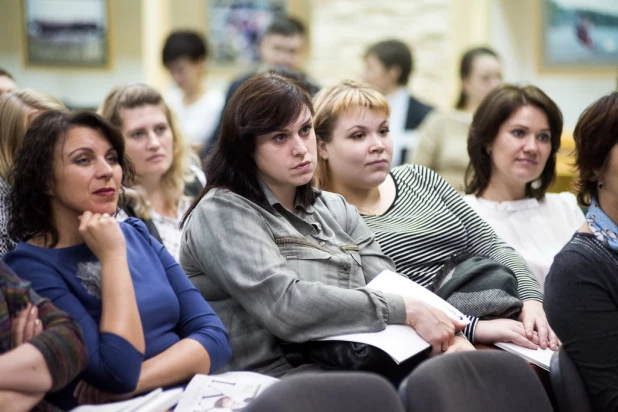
[416, 113]
[581, 302]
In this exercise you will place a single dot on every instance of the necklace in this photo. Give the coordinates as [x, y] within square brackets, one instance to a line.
[372, 211]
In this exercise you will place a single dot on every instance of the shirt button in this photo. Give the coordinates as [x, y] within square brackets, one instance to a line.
[322, 243]
[346, 266]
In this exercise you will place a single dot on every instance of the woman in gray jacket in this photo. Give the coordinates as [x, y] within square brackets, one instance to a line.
[276, 258]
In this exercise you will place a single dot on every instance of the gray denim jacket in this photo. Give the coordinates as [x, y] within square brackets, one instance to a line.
[294, 277]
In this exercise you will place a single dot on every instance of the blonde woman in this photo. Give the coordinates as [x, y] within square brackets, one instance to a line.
[166, 178]
[17, 111]
[419, 220]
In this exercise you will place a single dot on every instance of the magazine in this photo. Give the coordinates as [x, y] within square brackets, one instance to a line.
[228, 392]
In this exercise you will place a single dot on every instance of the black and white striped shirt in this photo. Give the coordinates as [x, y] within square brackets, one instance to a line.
[429, 222]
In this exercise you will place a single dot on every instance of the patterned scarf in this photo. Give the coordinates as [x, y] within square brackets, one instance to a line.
[603, 228]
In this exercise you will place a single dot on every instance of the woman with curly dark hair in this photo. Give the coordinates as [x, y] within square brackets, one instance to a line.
[144, 324]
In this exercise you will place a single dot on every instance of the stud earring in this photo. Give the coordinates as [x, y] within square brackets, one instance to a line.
[536, 184]
[600, 185]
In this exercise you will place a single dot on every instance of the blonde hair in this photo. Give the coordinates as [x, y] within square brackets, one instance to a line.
[330, 103]
[135, 95]
[15, 110]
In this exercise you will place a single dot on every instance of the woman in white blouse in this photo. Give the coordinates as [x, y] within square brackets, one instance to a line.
[512, 145]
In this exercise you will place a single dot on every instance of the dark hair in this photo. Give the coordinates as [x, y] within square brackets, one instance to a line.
[4, 73]
[29, 204]
[465, 69]
[263, 104]
[184, 43]
[595, 134]
[394, 53]
[286, 26]
[499, 105]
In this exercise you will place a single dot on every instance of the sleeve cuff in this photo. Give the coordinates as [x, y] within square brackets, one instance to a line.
[471, 328]
[396, 309]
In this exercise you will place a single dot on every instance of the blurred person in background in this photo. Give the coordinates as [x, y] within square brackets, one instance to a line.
[388, 66]
[7, 82]
[444, 135]
[198, 108]
[18, 109]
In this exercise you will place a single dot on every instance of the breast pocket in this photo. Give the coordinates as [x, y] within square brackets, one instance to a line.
[310, 263]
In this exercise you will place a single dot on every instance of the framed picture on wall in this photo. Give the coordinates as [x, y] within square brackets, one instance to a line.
[236, 26]
[72, 33]
[579, 34]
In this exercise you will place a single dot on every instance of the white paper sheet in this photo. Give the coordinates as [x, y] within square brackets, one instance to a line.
[400, 341]
[540, 357]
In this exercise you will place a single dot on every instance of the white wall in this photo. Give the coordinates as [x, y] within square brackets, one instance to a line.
[513, 33]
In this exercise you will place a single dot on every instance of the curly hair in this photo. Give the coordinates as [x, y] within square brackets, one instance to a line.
[595, 134]
[173, 181]
[29, 201]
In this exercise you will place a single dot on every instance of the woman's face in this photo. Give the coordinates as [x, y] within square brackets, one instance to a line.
[521, 148]
[485, 75]
[360, 151]
[86, 174]
[149, 141]
[286, 158]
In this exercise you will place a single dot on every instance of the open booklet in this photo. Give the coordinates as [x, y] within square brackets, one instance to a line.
[401, 342]
[540, 357]
[227, 392]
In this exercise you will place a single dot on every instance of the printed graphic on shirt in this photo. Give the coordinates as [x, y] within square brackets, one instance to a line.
[89, 273]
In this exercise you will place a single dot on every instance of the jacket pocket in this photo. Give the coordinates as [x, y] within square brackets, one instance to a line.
[310, 261]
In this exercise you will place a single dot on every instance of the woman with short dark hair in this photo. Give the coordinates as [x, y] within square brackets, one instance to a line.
[278, 259]
[581, 293]
[144, 324]
[512, 145]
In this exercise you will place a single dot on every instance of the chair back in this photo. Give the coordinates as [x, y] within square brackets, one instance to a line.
[485, 380]
[569, 390]
[329, 392]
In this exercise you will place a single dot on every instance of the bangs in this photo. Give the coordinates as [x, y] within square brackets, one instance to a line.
[363, 98]
[276, 112]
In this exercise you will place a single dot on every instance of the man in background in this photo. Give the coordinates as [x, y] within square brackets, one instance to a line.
[282, 48]
[388, 65]
[198, 108]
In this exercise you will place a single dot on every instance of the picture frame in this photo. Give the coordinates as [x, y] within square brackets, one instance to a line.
[66, 33]
[234, 28]
[578, 35]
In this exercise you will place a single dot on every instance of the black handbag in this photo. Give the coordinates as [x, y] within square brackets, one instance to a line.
[351, 356]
